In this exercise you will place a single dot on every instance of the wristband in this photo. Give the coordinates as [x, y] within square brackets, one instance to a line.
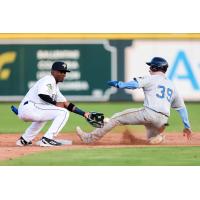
[79, 111]
[70, 107]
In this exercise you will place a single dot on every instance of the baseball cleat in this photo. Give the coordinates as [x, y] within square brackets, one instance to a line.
[158, 139]
[46, 142]
[85, 137]
[22, 142]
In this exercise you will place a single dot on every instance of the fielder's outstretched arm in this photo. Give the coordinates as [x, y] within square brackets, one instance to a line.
[93, 118]
[69, 106]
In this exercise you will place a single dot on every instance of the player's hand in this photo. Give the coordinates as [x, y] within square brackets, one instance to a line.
[113, 83]
[60, 104]
[86, 115]
[187, 132]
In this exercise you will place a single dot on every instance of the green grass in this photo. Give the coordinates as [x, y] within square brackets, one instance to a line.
[9, 123]
[148, 156]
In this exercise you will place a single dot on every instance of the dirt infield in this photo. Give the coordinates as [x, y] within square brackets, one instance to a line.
[8, 149]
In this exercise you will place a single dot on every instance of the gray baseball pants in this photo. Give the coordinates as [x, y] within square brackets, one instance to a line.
[153, 121]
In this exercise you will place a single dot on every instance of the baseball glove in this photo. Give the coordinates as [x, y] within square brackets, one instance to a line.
[95, 119]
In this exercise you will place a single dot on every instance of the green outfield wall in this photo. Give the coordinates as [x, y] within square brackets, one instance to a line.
[95, 59]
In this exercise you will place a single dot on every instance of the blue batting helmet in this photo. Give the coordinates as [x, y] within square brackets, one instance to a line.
[158, 64]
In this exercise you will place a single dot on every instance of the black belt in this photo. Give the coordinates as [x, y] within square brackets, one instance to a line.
[26, 102]
[162, 114]
[158, 112]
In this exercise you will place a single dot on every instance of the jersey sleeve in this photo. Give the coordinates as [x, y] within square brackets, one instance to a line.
[128, 85]
[184, 116]
[177, 101]
[46, 86]
[143, 81]
[179, 105]
[59, 96]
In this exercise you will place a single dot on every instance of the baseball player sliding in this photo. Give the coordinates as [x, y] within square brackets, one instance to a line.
[44, 102]
[160, 94]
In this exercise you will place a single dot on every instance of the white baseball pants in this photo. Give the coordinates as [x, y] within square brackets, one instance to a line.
[39, 114]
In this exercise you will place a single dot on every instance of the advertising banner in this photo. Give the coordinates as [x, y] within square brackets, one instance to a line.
[92, 64]
[183, 58]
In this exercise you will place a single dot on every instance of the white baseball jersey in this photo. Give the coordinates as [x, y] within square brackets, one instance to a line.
[34, 109]
[46, 85]
[160, 93]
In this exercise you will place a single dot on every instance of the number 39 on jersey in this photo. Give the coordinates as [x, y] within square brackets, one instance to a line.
[164, 92]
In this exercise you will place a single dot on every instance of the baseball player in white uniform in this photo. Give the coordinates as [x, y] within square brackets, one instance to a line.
[160, 94]
[44, 102]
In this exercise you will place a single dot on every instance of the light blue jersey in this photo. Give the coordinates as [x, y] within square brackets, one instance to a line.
[160, 93]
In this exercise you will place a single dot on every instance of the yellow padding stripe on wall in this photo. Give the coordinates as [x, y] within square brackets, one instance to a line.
[100, 36]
